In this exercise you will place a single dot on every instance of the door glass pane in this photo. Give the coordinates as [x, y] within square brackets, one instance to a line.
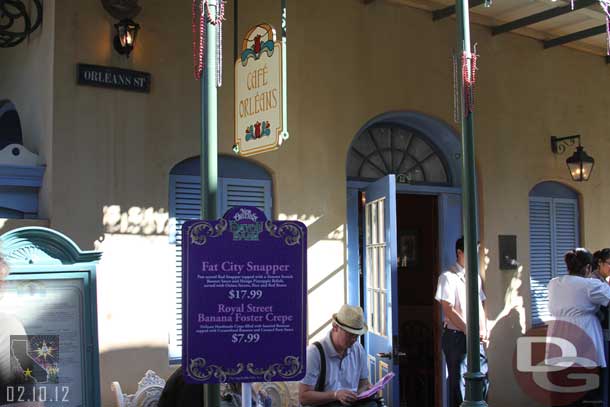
[374, 311]
[382, 267]
[381, 223]
[369, 266]
[382, 314]
[374, 270]
[374, 222]
[370, 308]
[368, 224]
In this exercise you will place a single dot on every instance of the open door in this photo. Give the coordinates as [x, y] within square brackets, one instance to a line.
[380, 284]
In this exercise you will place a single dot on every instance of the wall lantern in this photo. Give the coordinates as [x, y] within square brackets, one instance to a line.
[580, 163]
[125, 40]
[126, 29]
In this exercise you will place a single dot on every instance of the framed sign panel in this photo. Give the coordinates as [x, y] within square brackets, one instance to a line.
[48, 349]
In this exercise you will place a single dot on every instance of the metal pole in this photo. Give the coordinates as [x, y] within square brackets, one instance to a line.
[209, 149]
[246, 394]
[474, 377]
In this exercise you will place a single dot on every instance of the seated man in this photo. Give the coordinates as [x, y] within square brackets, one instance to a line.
[346, 372]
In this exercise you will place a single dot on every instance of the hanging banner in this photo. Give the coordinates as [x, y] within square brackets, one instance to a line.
[259, 124]
[244, 293]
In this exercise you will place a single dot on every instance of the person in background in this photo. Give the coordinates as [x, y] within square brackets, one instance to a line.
[600, 268]
[601, 271]
[9, 325]
[576, 299]
[178, 393]
[451, 293]
[264, 399]
[345, 359]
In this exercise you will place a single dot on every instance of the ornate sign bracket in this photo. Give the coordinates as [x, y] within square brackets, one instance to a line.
[17, 22]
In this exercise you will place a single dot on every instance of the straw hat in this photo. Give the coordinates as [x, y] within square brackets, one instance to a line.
[351, 319]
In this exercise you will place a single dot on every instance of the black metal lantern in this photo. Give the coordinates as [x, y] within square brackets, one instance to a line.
[580, 163]
[125, 40]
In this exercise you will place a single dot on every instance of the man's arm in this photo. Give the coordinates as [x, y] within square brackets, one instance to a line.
[452, 315]
[308, 395]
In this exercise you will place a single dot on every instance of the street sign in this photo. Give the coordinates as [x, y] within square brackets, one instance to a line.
[244, 288]
[259, 123]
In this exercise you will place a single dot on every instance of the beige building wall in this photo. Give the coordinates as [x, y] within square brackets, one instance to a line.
[113, 150]
[26, 78]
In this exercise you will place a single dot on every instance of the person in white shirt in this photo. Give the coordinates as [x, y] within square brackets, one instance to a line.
[451, 293]
[9, 325]
[575, 298]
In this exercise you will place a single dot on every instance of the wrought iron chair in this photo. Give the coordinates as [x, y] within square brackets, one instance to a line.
[147, 395]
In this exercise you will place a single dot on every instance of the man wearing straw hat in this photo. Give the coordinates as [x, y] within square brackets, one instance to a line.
[344, 372]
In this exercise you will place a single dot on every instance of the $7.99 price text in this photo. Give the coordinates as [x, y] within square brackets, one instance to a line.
[245, 338]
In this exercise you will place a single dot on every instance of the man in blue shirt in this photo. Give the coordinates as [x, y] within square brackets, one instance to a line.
[345, 363]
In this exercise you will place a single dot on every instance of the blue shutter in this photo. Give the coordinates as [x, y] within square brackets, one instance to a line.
[541, 256]
[184, 202]
[245, 192]
[184, 205]
[566, 230]
[553, 231]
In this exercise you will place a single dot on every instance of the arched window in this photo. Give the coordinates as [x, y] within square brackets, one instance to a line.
[10, 126]
[240, 183]
[391, 149]
[554, 229]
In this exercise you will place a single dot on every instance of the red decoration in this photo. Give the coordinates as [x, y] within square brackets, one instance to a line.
[469, 79]
[199, 31]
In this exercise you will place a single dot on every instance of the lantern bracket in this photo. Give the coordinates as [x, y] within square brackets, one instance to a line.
[559, 144]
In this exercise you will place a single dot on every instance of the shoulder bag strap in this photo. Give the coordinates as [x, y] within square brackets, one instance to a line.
[322, 378]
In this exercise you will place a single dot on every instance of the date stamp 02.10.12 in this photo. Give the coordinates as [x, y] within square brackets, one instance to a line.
[34, 364]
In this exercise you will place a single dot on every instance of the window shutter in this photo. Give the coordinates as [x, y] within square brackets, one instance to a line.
[566, 231]
[184, 205]
[541, 256]
[245, 192]
[553, 231]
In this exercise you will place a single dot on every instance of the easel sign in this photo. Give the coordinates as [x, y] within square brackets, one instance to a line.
[259, 93]
[244, 291]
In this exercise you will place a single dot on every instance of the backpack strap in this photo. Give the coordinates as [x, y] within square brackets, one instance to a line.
[322, 378]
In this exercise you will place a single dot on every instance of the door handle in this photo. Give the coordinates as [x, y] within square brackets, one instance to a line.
[391, 355]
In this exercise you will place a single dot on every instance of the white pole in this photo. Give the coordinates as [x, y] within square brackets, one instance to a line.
[246, 395]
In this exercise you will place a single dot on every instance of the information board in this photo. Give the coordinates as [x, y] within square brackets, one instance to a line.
[49, 355]
[244, 298]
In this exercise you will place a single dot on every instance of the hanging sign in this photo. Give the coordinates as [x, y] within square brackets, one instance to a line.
[244, 293]
[259, 104]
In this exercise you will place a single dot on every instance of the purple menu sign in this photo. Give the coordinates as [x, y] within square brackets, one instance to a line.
[244, 298]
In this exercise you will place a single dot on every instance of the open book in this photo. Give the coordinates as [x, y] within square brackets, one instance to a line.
[378, 386]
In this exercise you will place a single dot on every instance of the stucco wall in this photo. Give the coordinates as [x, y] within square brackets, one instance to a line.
[26, 78]
[347, 63]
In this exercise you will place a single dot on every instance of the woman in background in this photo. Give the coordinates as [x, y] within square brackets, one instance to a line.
[9, 325]
[601, 265]
[574, 301]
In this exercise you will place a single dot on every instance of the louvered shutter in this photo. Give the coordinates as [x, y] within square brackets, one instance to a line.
[541, 256]
[184, 205]
[245, 192]
[553, 231]
[566, 230]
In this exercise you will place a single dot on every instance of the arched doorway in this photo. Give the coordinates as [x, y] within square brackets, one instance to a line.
[404, 215]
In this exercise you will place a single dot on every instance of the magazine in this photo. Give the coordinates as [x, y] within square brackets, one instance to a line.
[378, 386]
